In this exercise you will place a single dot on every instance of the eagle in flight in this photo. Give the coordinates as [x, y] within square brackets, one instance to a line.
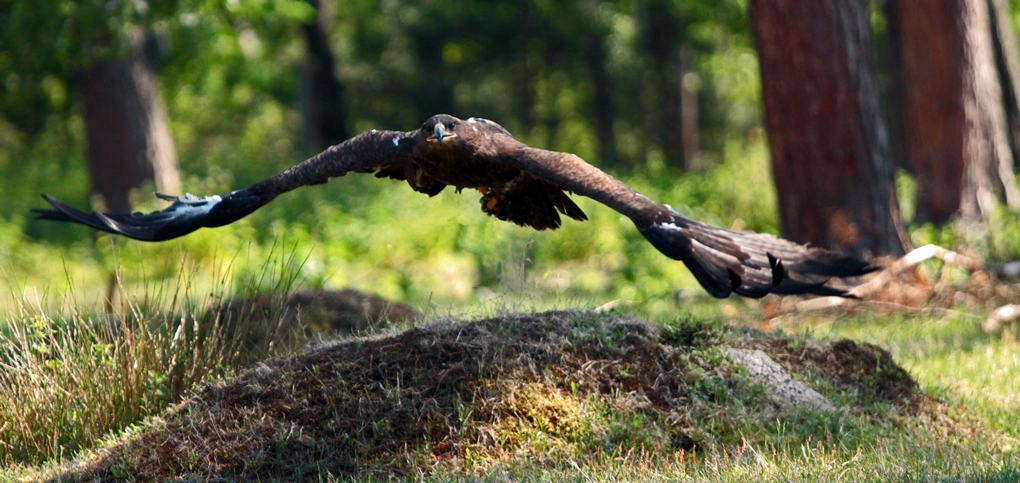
[519, 184]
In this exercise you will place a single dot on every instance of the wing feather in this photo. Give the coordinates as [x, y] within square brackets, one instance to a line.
[723, 261]
[371, 149]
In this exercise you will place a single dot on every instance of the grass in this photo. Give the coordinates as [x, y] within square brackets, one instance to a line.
[454, 396]
[70, 375]
[572, 396]
[949, 354]
[496, 420]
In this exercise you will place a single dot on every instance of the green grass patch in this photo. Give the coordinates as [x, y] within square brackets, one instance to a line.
[71, 375]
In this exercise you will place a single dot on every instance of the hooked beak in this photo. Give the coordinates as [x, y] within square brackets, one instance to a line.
[440, 134]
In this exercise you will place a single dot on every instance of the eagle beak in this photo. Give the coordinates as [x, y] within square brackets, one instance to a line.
[440, 134]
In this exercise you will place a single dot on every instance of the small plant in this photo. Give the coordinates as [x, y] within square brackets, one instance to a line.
[687, 330]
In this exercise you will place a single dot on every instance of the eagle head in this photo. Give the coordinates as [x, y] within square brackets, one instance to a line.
[441, 128]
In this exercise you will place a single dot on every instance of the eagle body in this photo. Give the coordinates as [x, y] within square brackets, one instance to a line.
[520, 184]
[477, 158]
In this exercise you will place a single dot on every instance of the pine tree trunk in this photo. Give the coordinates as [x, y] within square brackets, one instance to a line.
[986, 141]
[322, 95]
[927, 40]
[956, 136]
[689, 126]
[127, 130]
[1007, 56]
[830, 148]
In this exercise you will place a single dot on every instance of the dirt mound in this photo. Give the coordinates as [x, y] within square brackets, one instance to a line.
[335, 311]
[451, 394]
[864, 370]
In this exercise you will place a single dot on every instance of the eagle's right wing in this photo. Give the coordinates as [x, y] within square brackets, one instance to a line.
[723, 261]
[370, 150]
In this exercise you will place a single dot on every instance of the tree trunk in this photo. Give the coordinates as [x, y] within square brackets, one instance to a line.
[127, 130]
[1007, 56]
[689, 127]
[954, 124]
[830, 148]
[927, 42]
[986, 142]
[674, 119]
[602, 100]
[322, 94]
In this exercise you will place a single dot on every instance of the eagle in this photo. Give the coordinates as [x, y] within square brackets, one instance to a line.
[519, 184]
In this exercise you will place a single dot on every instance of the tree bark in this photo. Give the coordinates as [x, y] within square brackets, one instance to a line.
[830, 148]
[986, 142]
[1007, 56]
[127, 130]
[675, 130]
[954, 123]
[602, 100]
[927, 38]
[322, 93]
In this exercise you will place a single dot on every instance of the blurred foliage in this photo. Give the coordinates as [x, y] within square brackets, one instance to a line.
[230, 76]
[524, 64]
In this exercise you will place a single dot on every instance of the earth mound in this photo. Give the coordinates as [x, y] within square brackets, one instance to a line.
[456, 395]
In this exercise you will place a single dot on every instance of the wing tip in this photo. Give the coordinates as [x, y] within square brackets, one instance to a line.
[726, 262]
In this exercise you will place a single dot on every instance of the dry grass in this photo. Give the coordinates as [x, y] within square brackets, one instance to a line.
[67, 379]
[456, 396]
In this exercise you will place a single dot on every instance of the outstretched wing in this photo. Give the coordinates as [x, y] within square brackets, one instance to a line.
[372, 150]
[723, 261]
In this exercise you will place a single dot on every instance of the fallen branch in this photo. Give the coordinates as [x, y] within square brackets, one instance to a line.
[1001, 316]
[883, 278]
[823, 303]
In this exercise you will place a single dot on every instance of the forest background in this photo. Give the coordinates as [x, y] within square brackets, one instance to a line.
[666, 95]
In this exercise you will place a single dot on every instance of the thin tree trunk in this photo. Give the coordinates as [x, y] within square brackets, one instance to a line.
[322, 93]
[602, 101]
[664, 39]
[830, 148]
[689, 127]
[127, 130]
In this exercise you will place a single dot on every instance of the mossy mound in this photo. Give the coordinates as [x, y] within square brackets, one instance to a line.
[459, 395]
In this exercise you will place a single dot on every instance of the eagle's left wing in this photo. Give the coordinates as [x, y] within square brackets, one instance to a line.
[723, 261]
[369, 150]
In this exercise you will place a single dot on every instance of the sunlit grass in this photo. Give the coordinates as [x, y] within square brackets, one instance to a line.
[72, 373]
[948, 354]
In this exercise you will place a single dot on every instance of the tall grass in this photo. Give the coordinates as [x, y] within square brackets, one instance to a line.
[70, 376]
